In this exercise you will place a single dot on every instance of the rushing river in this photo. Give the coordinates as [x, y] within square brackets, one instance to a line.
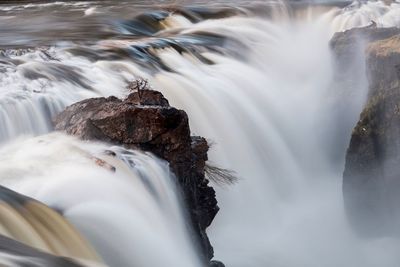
[255, 77]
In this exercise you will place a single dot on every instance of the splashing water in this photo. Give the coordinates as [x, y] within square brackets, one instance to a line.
[263, 88]
[279, 113]
[125, 214]
[360, 14]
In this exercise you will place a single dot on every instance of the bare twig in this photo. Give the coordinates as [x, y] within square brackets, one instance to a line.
[220, 176]
[138, 86]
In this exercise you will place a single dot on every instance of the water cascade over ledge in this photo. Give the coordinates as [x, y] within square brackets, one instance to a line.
[259, 80]
[139, 195]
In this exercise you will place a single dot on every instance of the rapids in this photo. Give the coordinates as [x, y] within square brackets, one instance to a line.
[256, 78]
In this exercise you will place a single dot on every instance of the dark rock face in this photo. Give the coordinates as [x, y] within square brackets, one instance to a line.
[371, 179]
[146, 121]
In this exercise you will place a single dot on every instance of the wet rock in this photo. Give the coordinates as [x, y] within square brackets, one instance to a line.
[22, 255]
[216, 264]
[348, 93]
[371, 179]
[103, 164]
[110, 153]
[343, 43]
[145, 120]
[147, 97]
[24, 244]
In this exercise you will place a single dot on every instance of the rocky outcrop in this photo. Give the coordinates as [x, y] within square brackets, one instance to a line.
[146, 121]
[345, 44]
[371, 179]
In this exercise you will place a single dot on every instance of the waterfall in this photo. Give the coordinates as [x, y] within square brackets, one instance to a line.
[258, 81]
[275, 121]
[32, 223]
[124, 214]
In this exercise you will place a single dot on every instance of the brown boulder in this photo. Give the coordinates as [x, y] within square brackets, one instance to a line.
[146, 121]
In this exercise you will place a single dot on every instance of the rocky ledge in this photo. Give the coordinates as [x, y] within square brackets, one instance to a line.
[371, 179]
[146, 121]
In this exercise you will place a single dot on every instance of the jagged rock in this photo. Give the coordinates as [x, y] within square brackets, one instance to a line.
[371, 179]
[144, 120]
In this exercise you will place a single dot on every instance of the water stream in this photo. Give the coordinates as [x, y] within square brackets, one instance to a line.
[255, 77]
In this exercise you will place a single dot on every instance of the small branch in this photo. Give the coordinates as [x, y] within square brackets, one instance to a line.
[138, 86]
[220, 176]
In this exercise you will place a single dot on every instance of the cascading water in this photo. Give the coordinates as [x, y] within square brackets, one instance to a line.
[261, 85]
[286, 211]
[281, 104]
[125, 214]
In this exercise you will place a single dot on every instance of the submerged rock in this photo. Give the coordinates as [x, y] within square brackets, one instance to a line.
[371, 179]
[18, 254]
[146, 121]
[24, 242]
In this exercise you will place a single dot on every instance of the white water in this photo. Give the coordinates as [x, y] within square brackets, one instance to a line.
[276, 122]
[28, 105]
[275, 119]
[127, 215]
[361, 14]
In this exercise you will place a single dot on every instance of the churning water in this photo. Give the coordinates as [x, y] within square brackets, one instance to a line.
[256, 78]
